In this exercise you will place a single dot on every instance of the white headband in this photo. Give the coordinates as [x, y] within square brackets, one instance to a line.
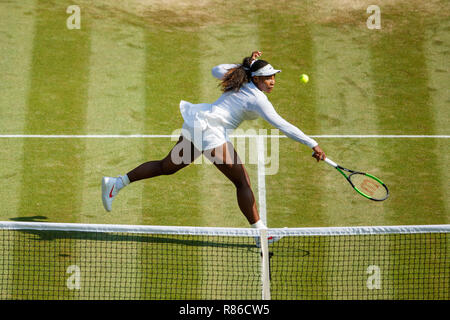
[267, 70]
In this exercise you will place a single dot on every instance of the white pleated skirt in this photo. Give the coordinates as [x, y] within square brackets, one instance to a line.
[201, 127]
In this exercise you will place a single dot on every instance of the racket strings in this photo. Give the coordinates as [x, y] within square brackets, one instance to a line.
[368, 186]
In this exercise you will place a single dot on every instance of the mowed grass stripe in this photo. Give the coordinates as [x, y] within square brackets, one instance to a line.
[401, 84]
[400, 79]
[293, 194]
[116, 104]
[322, 198]
[16, 53]
[346, 105]
[171, 74]
[344, 96]
[56, 103]
[437, 46]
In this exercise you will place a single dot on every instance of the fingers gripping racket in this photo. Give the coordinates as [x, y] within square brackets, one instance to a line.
[365, 184]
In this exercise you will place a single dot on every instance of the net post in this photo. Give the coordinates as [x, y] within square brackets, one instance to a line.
[265, 272]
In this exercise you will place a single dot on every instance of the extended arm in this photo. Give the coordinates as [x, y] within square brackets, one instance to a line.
[268, 113]
[220, 70]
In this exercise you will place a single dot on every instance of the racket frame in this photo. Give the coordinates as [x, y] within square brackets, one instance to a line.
[342, 169]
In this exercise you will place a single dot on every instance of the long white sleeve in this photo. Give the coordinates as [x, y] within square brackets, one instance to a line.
[220, 70]
[266, 110]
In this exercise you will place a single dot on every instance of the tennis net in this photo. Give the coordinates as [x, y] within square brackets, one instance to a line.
[86, 261]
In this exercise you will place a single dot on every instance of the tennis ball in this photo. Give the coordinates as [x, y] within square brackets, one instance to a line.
[304, 78]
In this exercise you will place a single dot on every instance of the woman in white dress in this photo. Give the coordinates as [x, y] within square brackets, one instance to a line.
[206, 128]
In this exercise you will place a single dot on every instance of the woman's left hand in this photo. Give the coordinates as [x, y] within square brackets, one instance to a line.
[255, 55]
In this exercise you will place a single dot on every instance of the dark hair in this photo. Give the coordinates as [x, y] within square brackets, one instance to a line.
[235, 78]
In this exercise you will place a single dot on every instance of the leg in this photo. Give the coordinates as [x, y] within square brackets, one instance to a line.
[227, 161]
[182, 154]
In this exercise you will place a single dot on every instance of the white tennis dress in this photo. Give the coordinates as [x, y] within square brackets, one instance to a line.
[208, 125]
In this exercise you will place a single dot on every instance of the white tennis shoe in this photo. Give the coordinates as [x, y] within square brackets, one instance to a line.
[109, 191]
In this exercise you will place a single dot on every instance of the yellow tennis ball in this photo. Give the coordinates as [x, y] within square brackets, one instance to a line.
[304, 78]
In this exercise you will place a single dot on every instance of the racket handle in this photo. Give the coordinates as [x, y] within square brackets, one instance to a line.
[330, 162]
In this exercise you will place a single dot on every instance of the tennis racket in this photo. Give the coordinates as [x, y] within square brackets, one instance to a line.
[365, 184]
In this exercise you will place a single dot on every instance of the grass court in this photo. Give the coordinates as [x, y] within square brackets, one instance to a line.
[131, 62]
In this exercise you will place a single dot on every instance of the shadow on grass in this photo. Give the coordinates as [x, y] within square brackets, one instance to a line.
[183, 240]
[29, 219]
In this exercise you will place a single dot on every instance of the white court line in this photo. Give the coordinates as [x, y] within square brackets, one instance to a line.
[261, 179]
[138, 136]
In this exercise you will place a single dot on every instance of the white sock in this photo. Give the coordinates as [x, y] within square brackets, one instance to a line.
[259, 225]
[122, 182]
[125, 180]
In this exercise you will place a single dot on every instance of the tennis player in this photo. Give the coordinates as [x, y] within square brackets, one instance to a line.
[206, 131]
